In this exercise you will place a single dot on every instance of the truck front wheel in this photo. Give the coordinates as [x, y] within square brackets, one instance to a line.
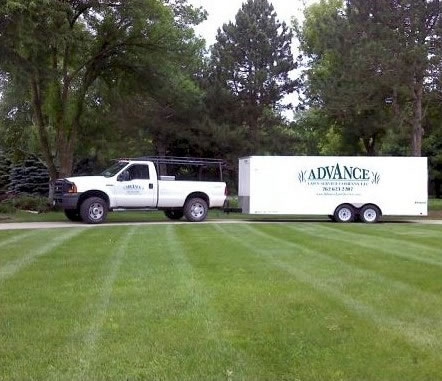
[73, 215]
[174, 214]
[196, 210]
[345, 213]
[93, 210]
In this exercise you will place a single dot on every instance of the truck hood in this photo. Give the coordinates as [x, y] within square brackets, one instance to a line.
[81, 179]
[85, 183]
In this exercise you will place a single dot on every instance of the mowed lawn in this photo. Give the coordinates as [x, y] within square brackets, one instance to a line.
[292, 301]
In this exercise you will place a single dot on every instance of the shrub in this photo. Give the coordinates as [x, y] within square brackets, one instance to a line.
[6, 207]
[27, 202]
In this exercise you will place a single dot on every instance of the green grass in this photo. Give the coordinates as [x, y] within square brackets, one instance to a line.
[435, 204]
[295, 301]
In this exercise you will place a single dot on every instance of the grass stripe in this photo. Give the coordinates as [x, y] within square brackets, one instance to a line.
[413, 334]
[391, 285]
[11, 268]
[17, 237]
[43, 315]
[100, 309]
[200, 291]
[402, 273]
[392, 246]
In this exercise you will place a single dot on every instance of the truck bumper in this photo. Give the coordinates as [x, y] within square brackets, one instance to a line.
[67, 201]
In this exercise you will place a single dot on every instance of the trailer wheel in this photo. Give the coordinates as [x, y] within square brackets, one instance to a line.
[93, 210]
[174, 214]
[370, 214]
[345, 213]
[73, 215]
[196, 210]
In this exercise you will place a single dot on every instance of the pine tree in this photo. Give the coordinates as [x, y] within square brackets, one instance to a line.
[5, 168]
[28, 176]
[252, 60]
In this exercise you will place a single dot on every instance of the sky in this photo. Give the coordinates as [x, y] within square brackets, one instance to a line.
[223, 11]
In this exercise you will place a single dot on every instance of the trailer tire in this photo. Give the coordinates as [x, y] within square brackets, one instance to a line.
[73, 215]
[332, 217]
[345, 213]
[93, 210]
[370, 214]
[174, 214]
[196, 210]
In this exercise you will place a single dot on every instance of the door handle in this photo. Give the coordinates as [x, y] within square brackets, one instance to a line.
[150, 186]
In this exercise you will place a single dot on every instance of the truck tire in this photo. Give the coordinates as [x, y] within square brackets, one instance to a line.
[174, 214]
[345, 213]
[73, 215]
[196, 210]
[370, 214]
[93, 210]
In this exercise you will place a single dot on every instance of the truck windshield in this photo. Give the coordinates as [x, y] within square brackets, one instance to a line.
[112, 171]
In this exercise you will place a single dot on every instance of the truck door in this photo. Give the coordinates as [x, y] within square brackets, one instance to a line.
[136, 187]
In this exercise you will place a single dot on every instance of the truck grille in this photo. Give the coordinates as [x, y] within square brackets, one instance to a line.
[60, 188]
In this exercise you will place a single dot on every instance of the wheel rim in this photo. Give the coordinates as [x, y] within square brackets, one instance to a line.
[197, 210]
[370, 215]
[345, 214]
[96, 211]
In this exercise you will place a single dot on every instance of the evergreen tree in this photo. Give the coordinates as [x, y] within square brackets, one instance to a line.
[5, 168]
[250, 65]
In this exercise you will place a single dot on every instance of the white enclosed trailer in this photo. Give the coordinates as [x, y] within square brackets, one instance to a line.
[343, 188]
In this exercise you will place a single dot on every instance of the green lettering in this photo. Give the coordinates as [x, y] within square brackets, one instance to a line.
[337, 173]
[322, 173]
[365, 174]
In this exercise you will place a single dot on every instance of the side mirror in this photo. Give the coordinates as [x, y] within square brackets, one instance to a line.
[124, 176]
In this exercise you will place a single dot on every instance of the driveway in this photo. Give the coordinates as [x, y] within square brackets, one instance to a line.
[54, 225]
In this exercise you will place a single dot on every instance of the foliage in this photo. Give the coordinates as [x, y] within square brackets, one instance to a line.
[5, 168]
[25, 202]
[250, 65]
[368, 63]
[29, 176]
[62, 48]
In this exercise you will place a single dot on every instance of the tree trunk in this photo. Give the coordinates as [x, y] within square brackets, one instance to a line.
[417, 130]
[42, 135]
[65, 148]
[370, 145]
[161, 151]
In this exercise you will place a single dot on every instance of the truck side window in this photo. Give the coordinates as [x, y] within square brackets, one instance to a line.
[139, 172]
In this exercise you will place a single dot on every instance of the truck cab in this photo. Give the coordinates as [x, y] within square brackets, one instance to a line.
[179, 186]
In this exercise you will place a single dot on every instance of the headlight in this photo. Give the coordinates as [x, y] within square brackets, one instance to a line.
[72, 188]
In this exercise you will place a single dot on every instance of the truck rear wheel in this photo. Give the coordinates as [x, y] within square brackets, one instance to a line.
[73, 215]
[196, 210]
[93, 210]
[370, 214]
[174, 214]
[345, 213]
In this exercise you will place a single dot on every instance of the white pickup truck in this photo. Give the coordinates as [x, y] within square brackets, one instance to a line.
[140, 184]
